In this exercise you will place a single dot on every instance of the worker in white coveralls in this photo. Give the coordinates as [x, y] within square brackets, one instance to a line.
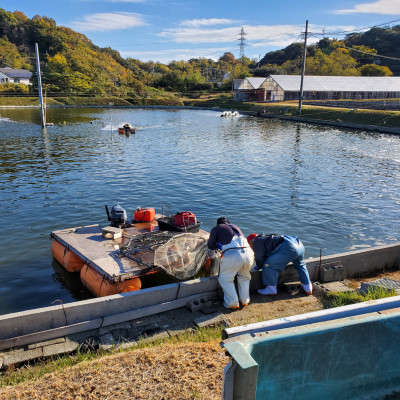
[236, 260]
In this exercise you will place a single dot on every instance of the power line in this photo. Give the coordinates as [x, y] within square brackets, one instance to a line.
[372, 54]
[352, 31]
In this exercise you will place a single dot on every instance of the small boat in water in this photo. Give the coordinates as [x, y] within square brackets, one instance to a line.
[126, 129]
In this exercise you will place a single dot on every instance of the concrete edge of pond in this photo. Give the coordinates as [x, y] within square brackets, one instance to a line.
[372, 306]
[369, 128]
[63, 328]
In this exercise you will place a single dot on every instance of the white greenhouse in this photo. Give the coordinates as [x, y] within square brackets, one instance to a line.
[287, 87]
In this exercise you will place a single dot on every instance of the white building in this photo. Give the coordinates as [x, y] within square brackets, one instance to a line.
[287, 87]
[11, 75]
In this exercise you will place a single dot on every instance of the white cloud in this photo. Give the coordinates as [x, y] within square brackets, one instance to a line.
[208, 22]
[224, 35]
[165, 56]
[269, 35]
[389, 7]
[101, 22]
[259, 40]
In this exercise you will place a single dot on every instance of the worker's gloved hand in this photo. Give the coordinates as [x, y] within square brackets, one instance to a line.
[210, 253]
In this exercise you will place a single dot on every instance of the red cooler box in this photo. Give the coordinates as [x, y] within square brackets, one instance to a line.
[144, 215]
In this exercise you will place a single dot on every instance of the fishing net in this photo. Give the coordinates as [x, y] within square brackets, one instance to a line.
[179, 254]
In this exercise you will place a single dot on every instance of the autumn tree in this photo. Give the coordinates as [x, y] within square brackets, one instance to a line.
[228, 57]
[374, 70]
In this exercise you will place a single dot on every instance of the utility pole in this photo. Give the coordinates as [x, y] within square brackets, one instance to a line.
[233, 80]
[304, 67]
[39, 77]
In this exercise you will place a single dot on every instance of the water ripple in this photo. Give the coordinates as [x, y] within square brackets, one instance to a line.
[337, 190]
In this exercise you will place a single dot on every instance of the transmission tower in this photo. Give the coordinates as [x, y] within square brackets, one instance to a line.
[242, 44]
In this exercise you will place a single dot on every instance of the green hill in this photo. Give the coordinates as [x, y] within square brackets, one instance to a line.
[356, 54]
[72, 64]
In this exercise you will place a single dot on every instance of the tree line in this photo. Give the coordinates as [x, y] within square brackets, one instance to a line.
[72, 64]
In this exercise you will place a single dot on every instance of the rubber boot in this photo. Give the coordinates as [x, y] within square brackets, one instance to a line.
[308, 289]
[268, 291]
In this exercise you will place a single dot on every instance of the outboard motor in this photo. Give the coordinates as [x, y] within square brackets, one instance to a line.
[117, 217]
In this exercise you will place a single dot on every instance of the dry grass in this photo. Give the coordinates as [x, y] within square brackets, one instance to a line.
[184, 371]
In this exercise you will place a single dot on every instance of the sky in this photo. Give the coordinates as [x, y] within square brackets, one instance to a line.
[167, 30]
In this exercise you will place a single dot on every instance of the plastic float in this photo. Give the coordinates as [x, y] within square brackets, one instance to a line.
[100, 286]
[69, 260]
[226, 114]
[230, 114]
[113, 259]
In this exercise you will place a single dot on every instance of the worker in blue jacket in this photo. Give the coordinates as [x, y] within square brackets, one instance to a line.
[272, 254]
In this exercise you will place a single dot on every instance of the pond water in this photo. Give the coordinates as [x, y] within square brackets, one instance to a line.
[338, 190]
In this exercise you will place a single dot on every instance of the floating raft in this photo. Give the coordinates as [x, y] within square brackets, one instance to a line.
[112, 260]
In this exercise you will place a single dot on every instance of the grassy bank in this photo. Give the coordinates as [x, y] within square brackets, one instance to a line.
[381, 118]
[390, 119]
[92, 101]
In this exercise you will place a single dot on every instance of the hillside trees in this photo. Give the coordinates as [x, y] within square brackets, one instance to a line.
[337, 63]
[279, 57]
[71, 63]
[385, 41]
[10, 56]
[327, 57]
[374, 70]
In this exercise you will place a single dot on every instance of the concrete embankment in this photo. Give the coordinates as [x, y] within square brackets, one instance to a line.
[364, 104]
[63, 328]
[369, 128]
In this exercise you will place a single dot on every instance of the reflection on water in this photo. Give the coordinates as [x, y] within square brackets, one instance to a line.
[337, 190]
[69, 281]
[59, 115]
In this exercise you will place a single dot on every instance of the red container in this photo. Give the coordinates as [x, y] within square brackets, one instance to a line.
[184, 218]
[144, 215]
